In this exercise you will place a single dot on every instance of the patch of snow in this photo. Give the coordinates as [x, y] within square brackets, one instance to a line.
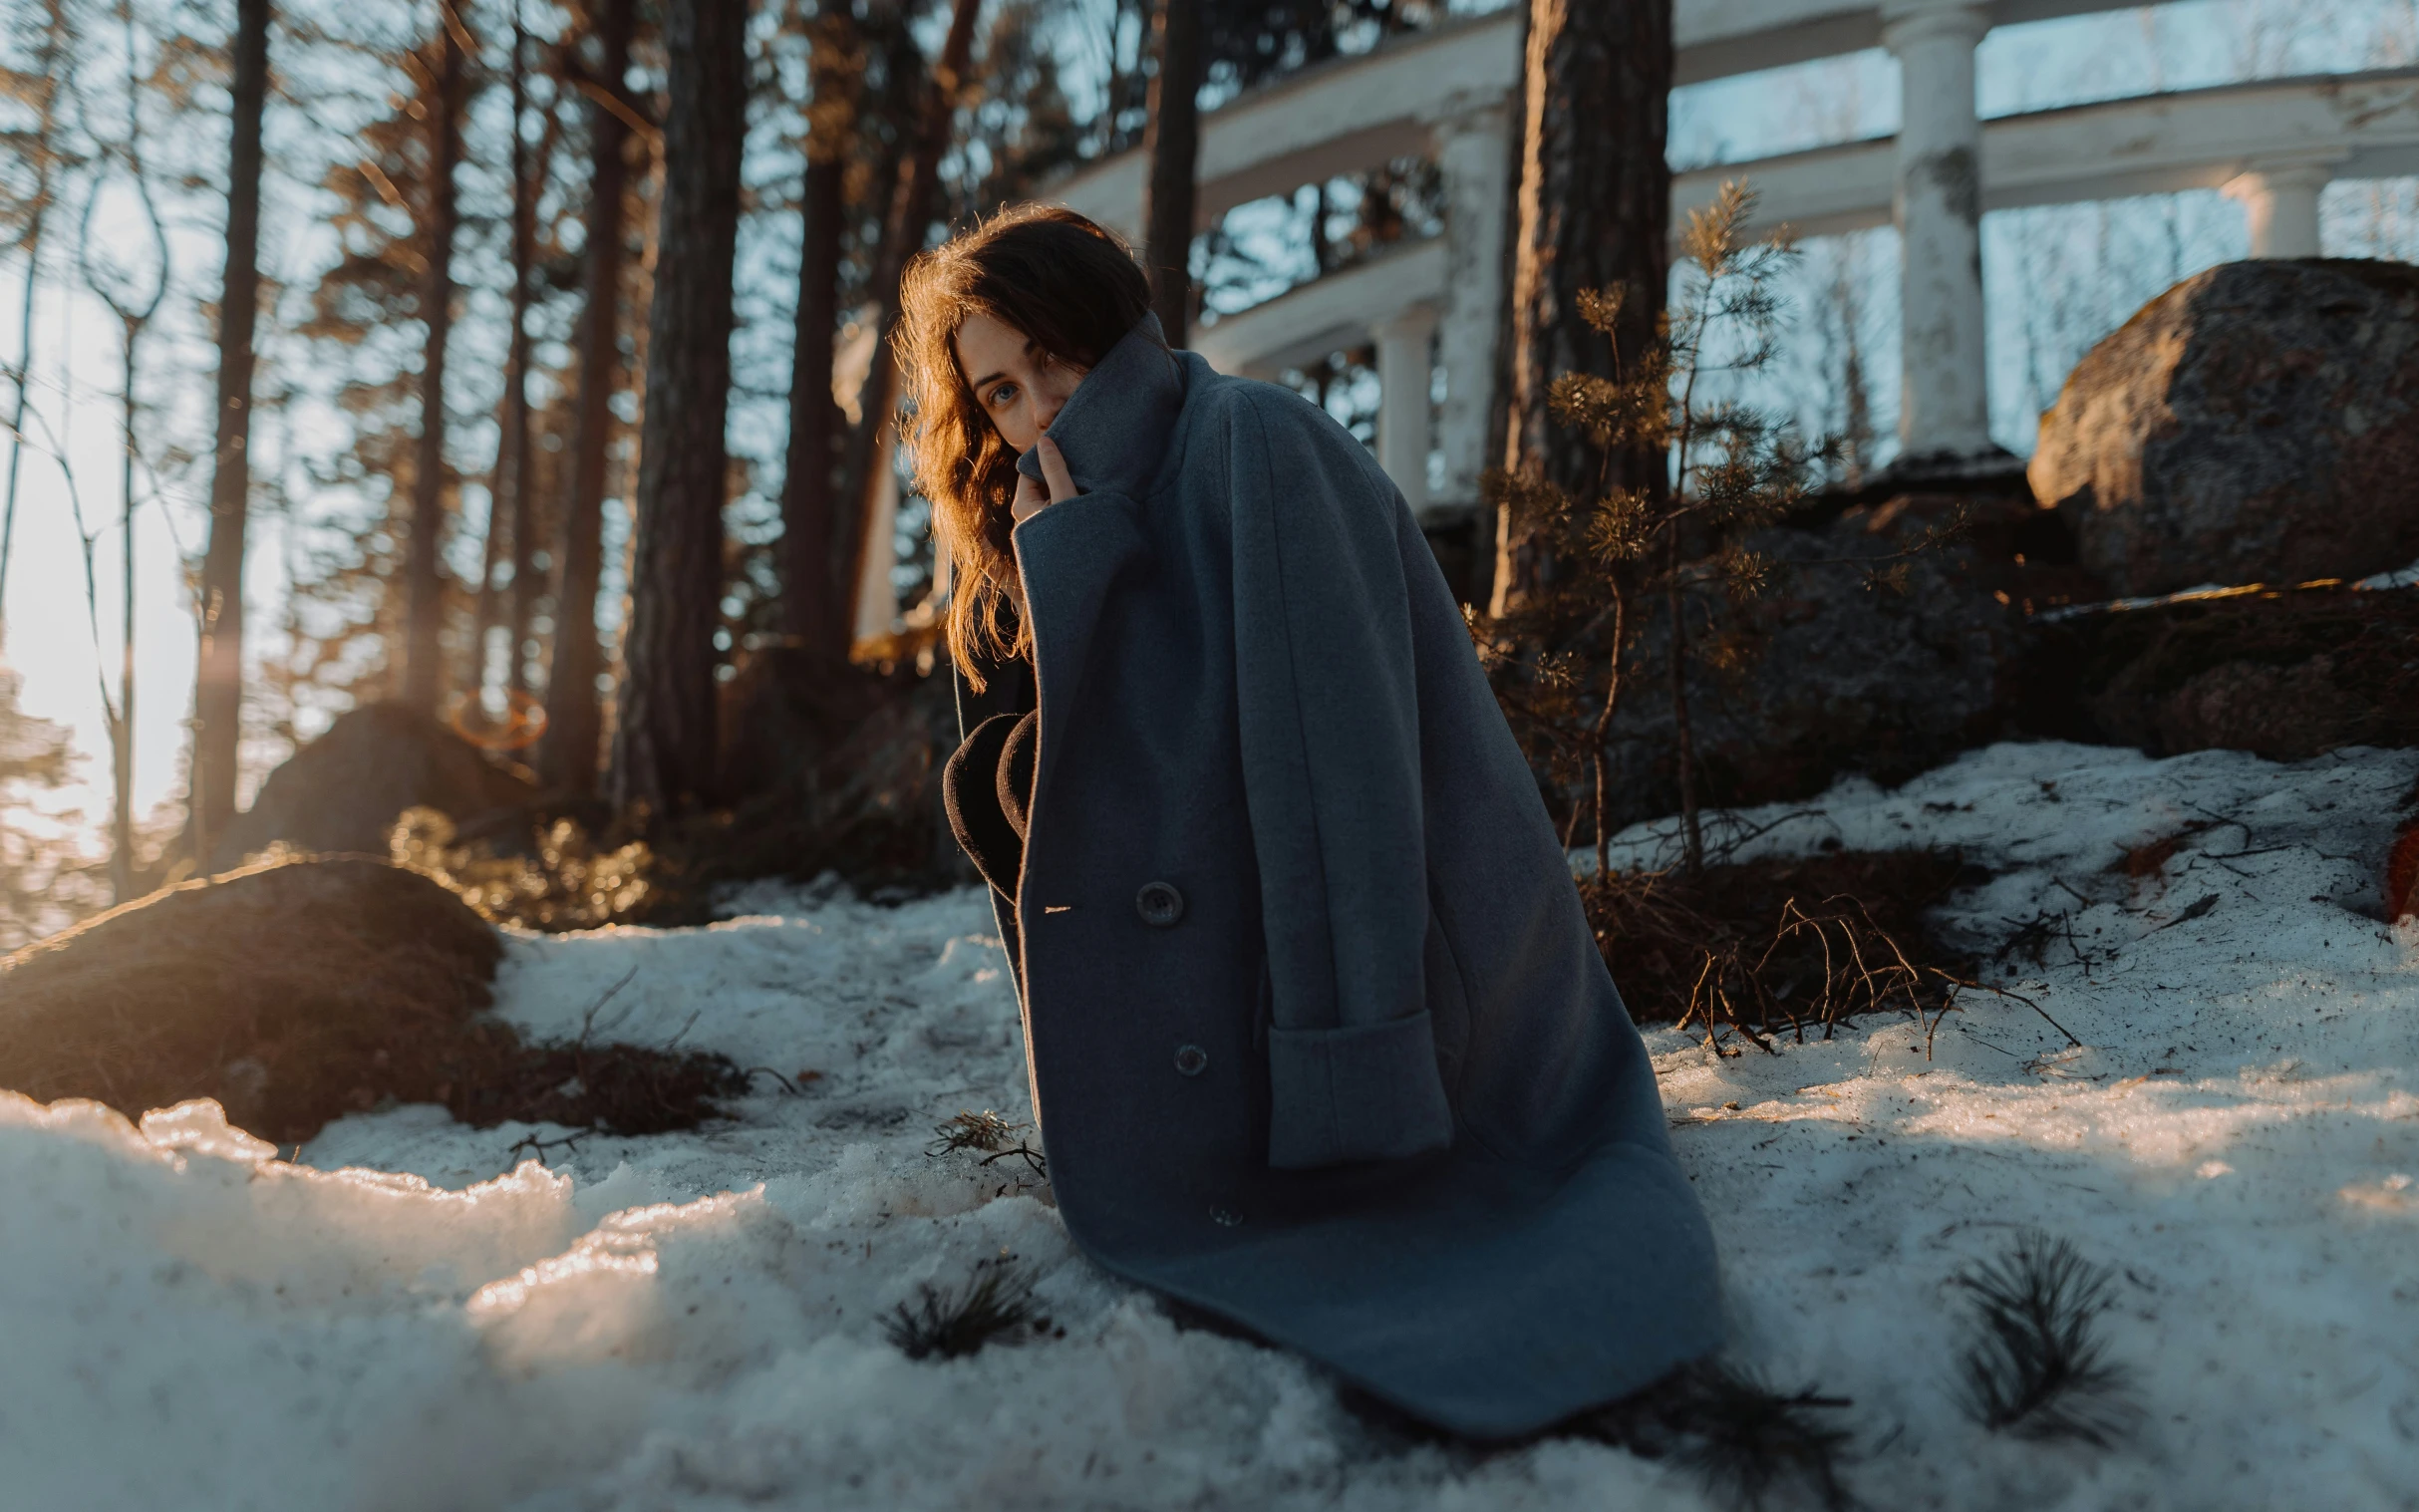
[411, 1317]
[2408, 577]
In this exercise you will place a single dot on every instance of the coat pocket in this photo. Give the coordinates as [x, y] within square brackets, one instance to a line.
[1369, 1091]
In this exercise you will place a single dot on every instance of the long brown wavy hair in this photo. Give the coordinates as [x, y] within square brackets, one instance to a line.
[1074, 289]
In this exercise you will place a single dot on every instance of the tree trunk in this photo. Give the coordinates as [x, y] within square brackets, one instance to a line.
[1595, 212]
[425, 583]
[38, 204]
[1172, 140]
[218, 691]
[527, 519]
[664, 743]
[814, 600]
[910, 212]
[1601, 736]
[122, 742]
[510, 507]
[568, 757]
[491, 548]
[1683, 735]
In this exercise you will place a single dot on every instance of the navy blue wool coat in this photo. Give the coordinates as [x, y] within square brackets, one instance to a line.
[1319, 1038]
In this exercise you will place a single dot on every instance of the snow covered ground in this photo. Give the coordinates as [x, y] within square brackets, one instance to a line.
[416, 1315]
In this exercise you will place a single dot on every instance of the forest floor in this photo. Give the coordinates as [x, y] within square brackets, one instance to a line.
[407, 1312]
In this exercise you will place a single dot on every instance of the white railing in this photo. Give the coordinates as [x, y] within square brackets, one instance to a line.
[1448, 93]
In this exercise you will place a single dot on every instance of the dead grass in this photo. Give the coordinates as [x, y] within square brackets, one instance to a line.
[569, 881]
[297, 992]
[1780, 946]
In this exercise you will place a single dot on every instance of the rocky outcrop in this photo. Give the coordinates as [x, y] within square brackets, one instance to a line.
[2285, 676]
[834, 769]
[298, 992]
[2256, 423]
[1834, 674]
[343, 792]
[288, 991]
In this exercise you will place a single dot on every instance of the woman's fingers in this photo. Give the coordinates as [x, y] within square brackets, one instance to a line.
[1029, 501]
[1031, 495]
[1054, 471]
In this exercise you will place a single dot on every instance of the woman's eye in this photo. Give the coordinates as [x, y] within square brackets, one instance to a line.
[1002, 395]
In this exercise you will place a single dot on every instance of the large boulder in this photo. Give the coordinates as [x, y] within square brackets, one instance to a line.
[343, 790]
[290, 992]
[297, 992]
[2256, 423]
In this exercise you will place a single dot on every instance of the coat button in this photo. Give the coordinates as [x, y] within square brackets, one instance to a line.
[1159, 904]
[1191, 1060]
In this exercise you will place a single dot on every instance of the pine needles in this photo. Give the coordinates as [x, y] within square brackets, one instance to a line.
[2035, 1369]
[988, 1134]
[953, 1322]
[986, 1131]
[1745, 1440]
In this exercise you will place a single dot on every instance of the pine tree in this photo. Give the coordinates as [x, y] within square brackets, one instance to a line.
[44, 884]
[911, 211]
[665, 742]
[43, 89]
[1172, 140]
[812, 592]
[1628, 544]
[1594, 214]
[423, 577]
[575, 721]
[218, 694]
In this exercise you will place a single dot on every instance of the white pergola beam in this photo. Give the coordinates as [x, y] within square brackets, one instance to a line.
[1326, 315]
[1355, 112]
[2360, 126]
[1451, 93]
[1720, 38]
[1335, 118]
[2366, 127]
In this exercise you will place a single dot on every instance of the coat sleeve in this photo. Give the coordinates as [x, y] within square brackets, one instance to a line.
[1328, 702]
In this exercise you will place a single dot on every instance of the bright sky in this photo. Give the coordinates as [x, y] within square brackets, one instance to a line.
[50, 636]
[50, 625]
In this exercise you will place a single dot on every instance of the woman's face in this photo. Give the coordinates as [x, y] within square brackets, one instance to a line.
[1017, 384]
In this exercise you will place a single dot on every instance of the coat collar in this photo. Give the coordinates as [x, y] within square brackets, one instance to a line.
[1114, 429]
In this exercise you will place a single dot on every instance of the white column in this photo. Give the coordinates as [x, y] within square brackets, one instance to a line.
[2281, 200]
[1473, 158]
[1944, 404]
[1404, 369]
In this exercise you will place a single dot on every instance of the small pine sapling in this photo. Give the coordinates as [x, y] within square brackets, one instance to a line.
[2034, 1368]
[1735, 470]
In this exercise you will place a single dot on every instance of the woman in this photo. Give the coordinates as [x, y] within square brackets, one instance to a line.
[1319, 1038]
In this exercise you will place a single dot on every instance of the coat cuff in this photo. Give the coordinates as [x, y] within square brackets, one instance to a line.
[1367, 1093]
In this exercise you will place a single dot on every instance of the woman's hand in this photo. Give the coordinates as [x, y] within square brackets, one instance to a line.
[1029, 498]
